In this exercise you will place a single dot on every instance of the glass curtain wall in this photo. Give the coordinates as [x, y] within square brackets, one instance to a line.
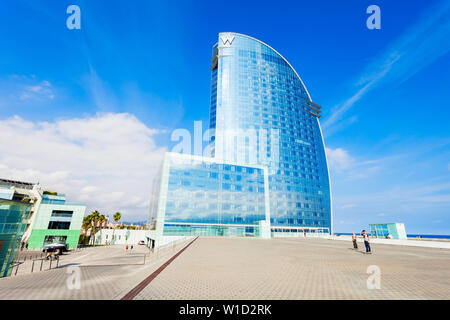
[212, 198]
[13, 217]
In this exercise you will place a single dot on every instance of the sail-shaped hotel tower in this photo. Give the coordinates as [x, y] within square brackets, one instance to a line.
[265, 171]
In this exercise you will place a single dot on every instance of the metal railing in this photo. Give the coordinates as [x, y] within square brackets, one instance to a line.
[39, 259]
[169, 247]
[53, 264]
[29, 255]
[15, 264]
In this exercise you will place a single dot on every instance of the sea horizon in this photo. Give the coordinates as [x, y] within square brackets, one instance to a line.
[411, 235]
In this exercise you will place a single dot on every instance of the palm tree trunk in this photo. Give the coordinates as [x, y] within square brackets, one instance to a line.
[93, 237]
[114, 230]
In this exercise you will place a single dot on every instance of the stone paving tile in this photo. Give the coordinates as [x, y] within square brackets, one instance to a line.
[244, 268]
[106, 273]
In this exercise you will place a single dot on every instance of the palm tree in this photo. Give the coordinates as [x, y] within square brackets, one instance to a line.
[95, 217]
[86, 225]
[117, 216]
[94, 230]
[101, 221]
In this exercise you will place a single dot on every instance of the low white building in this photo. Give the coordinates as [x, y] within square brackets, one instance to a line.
[121, 236]
[133, 237]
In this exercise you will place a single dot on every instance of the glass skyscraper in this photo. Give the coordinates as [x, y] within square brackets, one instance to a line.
[265, 125]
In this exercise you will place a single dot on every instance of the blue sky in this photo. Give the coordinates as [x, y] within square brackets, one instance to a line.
[89, 112]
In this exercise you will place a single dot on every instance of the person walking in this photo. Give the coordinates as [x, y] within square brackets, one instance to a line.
[126, 248]
[365, 236]
[355, 244]
[131, 249]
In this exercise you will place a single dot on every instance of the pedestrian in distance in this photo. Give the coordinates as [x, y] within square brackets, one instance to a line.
[131, 248]
[126, 248]
[365, 236]
[355, 244]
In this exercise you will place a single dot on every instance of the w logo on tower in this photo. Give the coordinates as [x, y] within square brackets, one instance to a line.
[227, 38]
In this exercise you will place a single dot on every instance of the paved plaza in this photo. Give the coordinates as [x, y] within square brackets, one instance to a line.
[244, 268]
[105, 273]
[251, 268]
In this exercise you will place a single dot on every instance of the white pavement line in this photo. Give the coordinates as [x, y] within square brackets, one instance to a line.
[412, 243]
[78, 258]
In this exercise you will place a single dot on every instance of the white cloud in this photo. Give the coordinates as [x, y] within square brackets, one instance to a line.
[106, 161]
[89, 189]
[339, 159]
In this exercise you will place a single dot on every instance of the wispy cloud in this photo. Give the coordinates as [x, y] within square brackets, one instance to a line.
[419, 46]
[347, 167]
[40, 92]
[411, 186]
[348, 206]
[15, 90]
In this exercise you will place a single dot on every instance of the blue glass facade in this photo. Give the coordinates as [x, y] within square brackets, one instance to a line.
[268, 159]
[388, 230]
[258, 91]
[203, 196]
[13, 217]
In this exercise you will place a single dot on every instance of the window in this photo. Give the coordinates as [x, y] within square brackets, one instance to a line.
[53, 201]
[61, 213]
[59, 225]
[55, 239]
